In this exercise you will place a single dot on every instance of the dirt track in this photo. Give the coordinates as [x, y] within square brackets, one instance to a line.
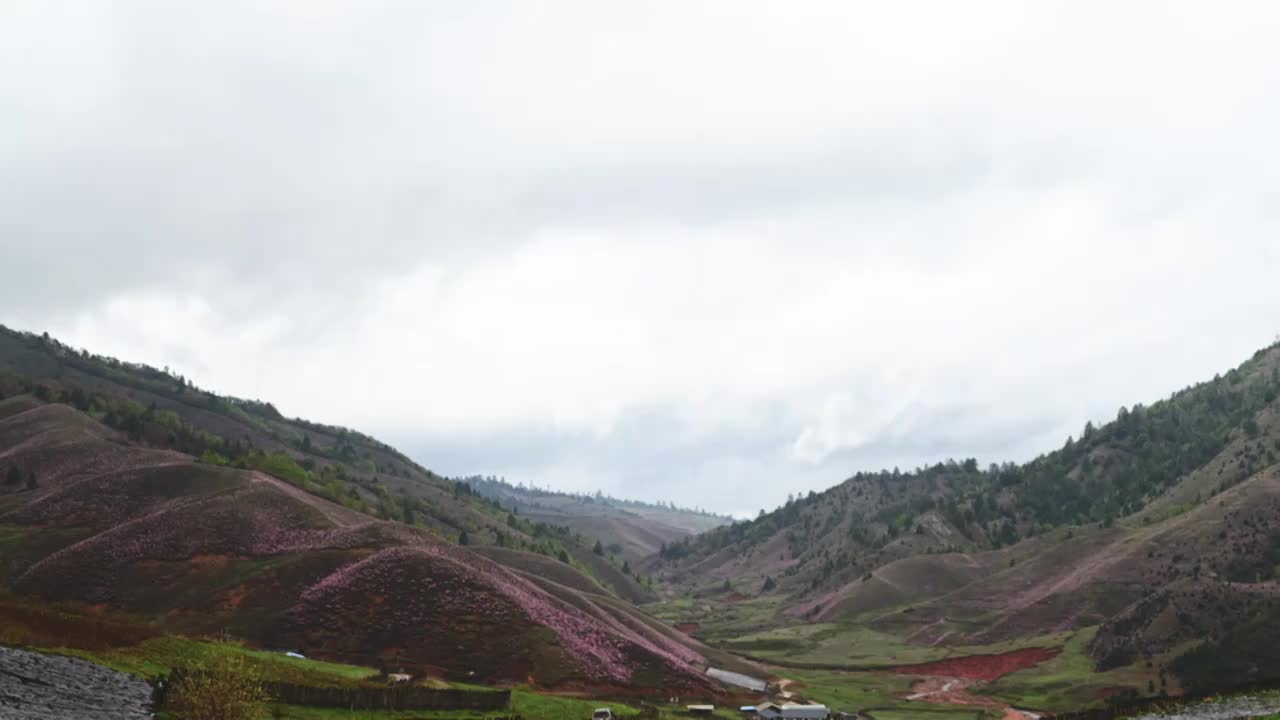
[38, 687]
[949, 681]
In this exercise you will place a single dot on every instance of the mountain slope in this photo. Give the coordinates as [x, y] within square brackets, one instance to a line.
[157, 409]
[201, 548]
[1149, 462]
[629, 529]
[1161, 528]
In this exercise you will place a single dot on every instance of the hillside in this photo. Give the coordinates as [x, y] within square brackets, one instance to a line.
[628, 529]
[1161, 529]
[204, 548]
[157, 409]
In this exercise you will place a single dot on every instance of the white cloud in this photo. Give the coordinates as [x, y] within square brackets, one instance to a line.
[711, 251]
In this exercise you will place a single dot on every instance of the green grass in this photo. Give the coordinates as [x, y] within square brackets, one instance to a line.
[849, 691]
[1066, 682]
[295, 712]
[881, 693]
[532, 706]
[160, 655]
[857, 646]
[921, 711]
[720, 620]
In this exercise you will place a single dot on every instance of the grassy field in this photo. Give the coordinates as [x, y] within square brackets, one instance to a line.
[159, 655]
[857, 646]
[1068, 681]
[721, 620]
[880, 693]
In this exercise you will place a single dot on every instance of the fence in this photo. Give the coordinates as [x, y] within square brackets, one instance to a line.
[393, 697]
[403, 697]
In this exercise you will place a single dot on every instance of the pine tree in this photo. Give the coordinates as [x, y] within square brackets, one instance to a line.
[31, 481]
[598, 549]
[14, 476]
[463, 539]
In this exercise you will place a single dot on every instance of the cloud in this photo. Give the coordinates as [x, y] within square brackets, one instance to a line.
[707, 252]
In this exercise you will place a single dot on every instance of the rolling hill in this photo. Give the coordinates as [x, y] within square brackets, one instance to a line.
[1161, 529]
[127, 489]
[628, 529]
[160, 410]
[201, 548]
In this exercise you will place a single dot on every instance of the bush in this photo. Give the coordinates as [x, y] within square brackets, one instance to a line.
[222, 687]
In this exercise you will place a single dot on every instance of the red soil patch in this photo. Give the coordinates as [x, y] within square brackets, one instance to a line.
[981, 667]
[688, 628]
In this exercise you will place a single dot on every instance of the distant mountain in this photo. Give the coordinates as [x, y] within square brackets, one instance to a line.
[1162, 526]
[628, 529]
[203, 548]
[126, 487]
[158, 409]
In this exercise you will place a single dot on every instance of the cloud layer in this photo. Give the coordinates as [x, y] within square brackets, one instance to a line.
[705, 252]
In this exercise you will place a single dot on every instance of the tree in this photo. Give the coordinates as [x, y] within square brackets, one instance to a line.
[14, 476]
[222, 687]
[463, 539]
[598, 549]
[626, 567]
[726, 587]
[769, 584]
[31, 481]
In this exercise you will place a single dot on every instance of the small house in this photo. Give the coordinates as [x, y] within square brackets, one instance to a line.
[791, 711]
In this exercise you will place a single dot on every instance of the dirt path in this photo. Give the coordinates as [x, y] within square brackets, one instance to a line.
[34, 686]
[955, 691]
[948, 682]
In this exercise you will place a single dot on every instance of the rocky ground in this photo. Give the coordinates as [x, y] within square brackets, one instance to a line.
[34, 686]
[1238, 707]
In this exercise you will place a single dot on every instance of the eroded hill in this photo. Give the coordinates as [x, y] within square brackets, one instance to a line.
[204, 548]
[1160, 528]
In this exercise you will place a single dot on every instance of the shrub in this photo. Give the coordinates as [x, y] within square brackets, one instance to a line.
[221, 687]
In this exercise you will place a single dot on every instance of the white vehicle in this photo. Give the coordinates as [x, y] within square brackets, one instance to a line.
[602, 714]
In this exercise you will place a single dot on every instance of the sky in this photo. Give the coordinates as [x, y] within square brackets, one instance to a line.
[709, 253]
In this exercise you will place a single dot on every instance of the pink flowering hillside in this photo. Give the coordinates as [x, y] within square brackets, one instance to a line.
[435, 605]
[203, 548]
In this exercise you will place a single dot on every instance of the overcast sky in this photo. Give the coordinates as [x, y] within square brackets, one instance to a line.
[703, 252]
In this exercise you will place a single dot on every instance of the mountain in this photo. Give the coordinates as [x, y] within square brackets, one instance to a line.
[158, 409]
[1160, 528]
[628, 529]
[127, 488]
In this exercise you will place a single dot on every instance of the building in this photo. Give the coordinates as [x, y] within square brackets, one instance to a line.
[701, 709]
[791, 711]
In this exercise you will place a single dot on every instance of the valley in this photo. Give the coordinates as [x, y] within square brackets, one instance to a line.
[143, 518]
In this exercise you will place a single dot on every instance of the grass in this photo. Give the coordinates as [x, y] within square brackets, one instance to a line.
[159, 655]
[1066, 682]
[849, 691]
[720, 620]
[856, 647]
[880, 693]
[295, 712]
[533, 706]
